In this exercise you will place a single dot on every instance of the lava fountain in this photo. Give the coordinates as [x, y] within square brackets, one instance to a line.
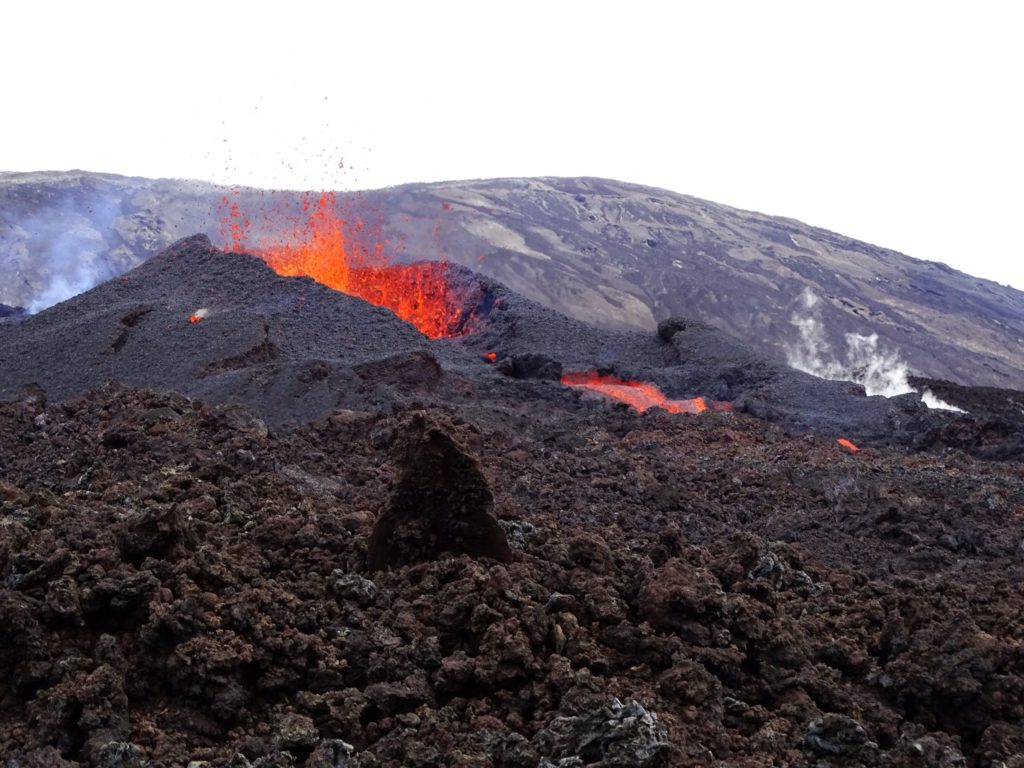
[639, 395]
[347, 255]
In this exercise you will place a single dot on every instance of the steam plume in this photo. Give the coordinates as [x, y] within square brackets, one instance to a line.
[880, 372]
[63, 249]
[866, 362]
[928, 398]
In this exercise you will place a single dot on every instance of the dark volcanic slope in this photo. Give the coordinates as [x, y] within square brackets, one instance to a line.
[280, 344]
[611, 254]
[295, 350]
[617, 254]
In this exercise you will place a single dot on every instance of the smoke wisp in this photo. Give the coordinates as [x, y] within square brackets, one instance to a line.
[932, 401]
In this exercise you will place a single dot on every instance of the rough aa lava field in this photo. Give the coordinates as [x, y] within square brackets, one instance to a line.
[247, 520]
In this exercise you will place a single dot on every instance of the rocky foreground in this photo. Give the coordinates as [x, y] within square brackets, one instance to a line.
[183, 585]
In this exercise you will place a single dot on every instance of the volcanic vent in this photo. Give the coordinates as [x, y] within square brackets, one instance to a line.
[347, 253]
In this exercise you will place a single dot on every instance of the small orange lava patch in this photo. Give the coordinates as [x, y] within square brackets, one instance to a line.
[490, 357]
[847, 444]
[194, 318]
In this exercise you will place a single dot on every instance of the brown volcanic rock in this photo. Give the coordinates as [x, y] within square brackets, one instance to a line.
[442, 504]
[199, 592]
[180, 581]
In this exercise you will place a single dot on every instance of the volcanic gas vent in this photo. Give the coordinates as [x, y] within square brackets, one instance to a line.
[344, 252]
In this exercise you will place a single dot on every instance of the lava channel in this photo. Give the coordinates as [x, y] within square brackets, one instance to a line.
[639, 395]
[350, 257]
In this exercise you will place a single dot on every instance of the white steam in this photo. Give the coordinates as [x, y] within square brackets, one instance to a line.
[928, 398]
[866, 362]
[880, 372]
[58, 250]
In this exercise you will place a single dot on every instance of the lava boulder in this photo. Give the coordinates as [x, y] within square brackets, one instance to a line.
[442, 503]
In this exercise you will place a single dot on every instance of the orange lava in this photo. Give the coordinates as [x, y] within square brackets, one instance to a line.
[194, 318]
[490, 356]
[638, 394]
[349, 256]
[847, 444]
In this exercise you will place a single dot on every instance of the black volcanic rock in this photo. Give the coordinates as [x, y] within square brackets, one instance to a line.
[530, 366]
[670, 326]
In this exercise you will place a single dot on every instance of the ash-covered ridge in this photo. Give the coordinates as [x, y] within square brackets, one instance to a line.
[207, 323]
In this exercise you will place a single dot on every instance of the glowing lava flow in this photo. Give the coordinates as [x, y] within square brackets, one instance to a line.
[638, 394]
[350, 257]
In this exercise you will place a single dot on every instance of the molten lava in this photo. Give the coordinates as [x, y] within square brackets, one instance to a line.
[490, 357]
[198, 315]
[348, 256]
[847, 444]
[638, 394]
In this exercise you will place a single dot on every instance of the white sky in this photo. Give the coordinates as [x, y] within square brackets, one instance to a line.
[899, 123]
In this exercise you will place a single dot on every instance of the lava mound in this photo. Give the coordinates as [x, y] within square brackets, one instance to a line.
[222, 326]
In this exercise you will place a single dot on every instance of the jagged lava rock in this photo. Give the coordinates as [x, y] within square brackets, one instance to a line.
[442, 503]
